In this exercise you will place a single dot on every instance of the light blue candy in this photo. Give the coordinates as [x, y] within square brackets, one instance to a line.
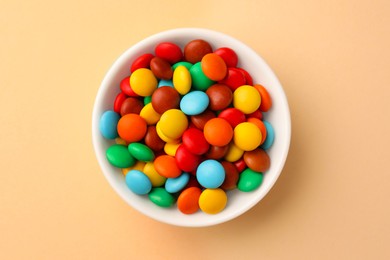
[173, 185]
[210, 174]
[108, 123]
[194, 103]
[165, 82]
[138, 182]
[269, 140]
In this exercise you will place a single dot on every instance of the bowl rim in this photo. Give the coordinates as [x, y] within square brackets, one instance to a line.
[109, 76]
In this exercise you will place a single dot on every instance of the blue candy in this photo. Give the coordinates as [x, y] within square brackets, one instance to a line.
[164, 82]
[210, 174]
[108, 123]
[269, 140]
[194, 103]
[138, 182]
[173, 185]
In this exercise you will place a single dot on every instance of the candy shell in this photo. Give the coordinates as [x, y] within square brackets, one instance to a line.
[141, 152]
[249, 180]
[173, 185]
[212, 201]
[188, 200]
[194, 103]
[118, 156]
[161, 197]
[138, 182]
[210, 174]
[107, 124]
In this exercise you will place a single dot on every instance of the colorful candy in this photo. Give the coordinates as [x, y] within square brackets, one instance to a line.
[188, 127]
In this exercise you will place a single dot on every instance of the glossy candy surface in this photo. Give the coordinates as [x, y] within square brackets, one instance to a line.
[143, 82]
[210, 174]
[194, 103]
[195, 50]
[212, 201]
[138, 182]
[218, 132]
[108, 123]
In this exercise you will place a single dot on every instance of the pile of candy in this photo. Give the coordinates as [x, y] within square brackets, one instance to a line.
[188, 126]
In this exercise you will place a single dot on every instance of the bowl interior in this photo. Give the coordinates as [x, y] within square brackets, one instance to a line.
[278, 116]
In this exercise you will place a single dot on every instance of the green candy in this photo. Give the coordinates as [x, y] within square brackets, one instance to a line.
[182, 63]
[141, 152]
[119, 156]
[161, 197]
[147, 100]
[249, 180]
[199, 80]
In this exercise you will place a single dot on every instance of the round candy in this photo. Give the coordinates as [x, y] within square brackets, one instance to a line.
[200, 120]
[182, 63]
[231, 176]
[188, 200]
[107, 124]
[185, 160]
[165, 98]
[161, 68]
[169, 52]
[257, 160]
[142, 61]
[126, 88]
[149, 114]
[199, 80]
[234, 79]
[213, 66]
[210, 174]
[217, 152]
[141, 152]
[269, 140]
[195, 50]
[161, 197]
[118, 156]
[194, 103]
[247, 136]
[119, 99]
[156, 179]
[165, 83]
[143, 82]
[220, 96]
[147, 100]
[249, 180]
[218, 132]
[194, 141]
[234, 153]
[131, 128]
[233, 116]
[248, 78]
[171, 148]
[174, 185]
[138, 182]
[247, 99]
[173, 123]
[163, 137]
[240, 165]
[261, 126]
[228, 55]
[166, 166]
[131, 105]
[212, 201]
[257, 114]
[137, 166]
[152, 140]
[182, 80]
[266, 101]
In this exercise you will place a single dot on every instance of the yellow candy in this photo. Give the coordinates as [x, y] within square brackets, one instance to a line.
[139, 165]
[182, 80]
[155, 178]
[170, 148]
[247, 136]
[163, 136]
[173, 123]
[247, 99]
[149, 114]
[143, 82]
[212, 201]
[234, 153]
[119, 140]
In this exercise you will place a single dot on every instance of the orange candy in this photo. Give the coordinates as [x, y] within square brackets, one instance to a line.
[132, 128]
[260, 125]
[266, 101]
[166, 166]
[187, 201]
[218, 132]
[214, 67]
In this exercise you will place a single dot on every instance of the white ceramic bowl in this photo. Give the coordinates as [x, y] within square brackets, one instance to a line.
[278, 116]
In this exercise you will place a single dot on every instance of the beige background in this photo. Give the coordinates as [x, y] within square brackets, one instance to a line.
[332, 199]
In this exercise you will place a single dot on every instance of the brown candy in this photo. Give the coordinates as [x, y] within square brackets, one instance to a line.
[153, 140]
[161, 68]
[257, 160]
[165, 98]
[231, 176]
[200, 120]
[217, 152]
[220, 96]
[131, 105]
[195, 50]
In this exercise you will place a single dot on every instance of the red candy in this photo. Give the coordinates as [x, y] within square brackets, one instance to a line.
[195, 142]
[185, 160]
[233, 116]
[142, 61]
[169, 52]
[228, 55]
[248, 78]
[120, 98]
[240, 165]
[234, 79]
[126, 88]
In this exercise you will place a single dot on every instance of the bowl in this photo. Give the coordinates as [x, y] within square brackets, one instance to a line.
[279, 116]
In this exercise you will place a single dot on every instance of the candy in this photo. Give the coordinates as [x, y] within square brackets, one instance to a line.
[165, 83]
[169, 51]
[247, 136]
[213, 66]
[199, 80]
[131, 128]
[119, 99]
[143, 82]
[234, 79]
[188, 200]
[233, 116]
[220, 96]
[247, 99]
[234, 153]
[231, 176]
[182, 63]
[171, 148]
[141, 152]
[194, 103]
[182, 80]
[228, 55]
[149, 114]
[131, 105]
[200, 120]
[195, 50]
[142, 61]
[119, 156]
[217, 152]
[165, 98]
[257, 160]
[139, 165]
[266, 101]
[261, 126]
[210, 174]
[138, 182]
[161, 68]
[126, 88]
[173, 123]
[249, 180]
[269, 140]
[152, 140]
[218, 132]
[174, 185]
[248, 78]
[195, 142]
[185, 160]
[166, 166]
[212, 201]
[107, 124]
[156, 179]
[161, 197]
